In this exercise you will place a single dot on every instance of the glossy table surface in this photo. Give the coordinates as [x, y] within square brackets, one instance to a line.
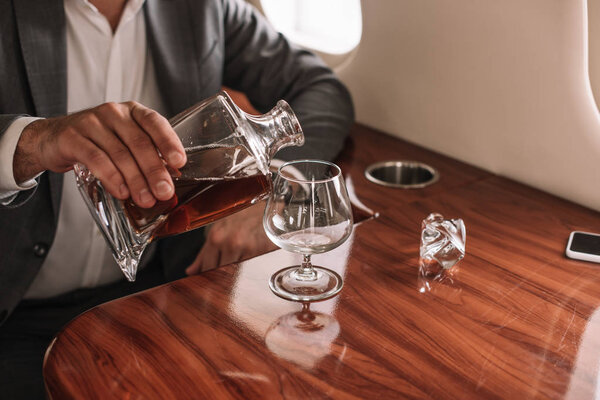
[515, 320]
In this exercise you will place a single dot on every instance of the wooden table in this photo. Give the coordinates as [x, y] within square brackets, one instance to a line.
[518, 320]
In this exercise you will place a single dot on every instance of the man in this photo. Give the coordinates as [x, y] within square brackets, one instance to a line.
[103, 75]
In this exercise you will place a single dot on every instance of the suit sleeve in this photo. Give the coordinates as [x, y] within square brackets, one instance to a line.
[264, 65]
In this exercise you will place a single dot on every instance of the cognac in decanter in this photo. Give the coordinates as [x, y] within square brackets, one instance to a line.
[228, 156]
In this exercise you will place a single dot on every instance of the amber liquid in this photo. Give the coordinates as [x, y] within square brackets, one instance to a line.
[199, 202]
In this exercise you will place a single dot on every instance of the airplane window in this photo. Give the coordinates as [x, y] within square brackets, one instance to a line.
[328, 26]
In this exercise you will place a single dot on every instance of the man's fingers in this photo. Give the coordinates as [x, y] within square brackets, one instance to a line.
[233, 255]
[161, 132]
[148, 160]
[125, 162]
[211, 259]
[196, 265]
[100, 164]
[119, 119]
[258, 247]
[208, 258]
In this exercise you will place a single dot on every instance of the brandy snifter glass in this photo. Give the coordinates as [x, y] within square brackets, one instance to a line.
[308, 212]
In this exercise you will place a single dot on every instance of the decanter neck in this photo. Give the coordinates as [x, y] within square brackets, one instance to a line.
[278, 128]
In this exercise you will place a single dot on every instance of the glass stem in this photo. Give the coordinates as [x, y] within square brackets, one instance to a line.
[306, 272]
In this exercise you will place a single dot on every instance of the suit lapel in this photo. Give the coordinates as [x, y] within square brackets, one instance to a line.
[174, 51]
[42, 28]
[44, 45]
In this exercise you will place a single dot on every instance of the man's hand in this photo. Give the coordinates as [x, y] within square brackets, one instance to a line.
[118, 143]
[232, 239]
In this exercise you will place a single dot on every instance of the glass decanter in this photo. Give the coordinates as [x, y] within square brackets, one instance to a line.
[228, 156]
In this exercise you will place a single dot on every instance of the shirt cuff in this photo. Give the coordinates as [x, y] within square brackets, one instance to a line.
[8, 146]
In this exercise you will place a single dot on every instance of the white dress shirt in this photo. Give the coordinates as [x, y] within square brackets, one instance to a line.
[102, 66]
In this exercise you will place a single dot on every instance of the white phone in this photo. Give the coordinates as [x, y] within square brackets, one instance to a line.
[584, 246]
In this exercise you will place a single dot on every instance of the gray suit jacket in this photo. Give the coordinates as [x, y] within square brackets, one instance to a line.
[197, 46]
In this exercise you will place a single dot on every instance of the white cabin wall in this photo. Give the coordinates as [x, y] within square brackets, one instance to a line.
[499, 84]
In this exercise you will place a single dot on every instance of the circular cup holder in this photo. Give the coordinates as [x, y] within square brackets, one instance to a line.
[402, 174]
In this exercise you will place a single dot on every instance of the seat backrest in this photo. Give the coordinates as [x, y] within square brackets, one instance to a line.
[502, 85]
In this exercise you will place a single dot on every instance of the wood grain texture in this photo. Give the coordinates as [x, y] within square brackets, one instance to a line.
[518, 320]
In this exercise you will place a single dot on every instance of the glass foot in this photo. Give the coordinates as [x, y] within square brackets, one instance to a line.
[291, 284]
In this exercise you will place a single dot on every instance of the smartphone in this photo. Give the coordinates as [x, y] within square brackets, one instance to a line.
[584, 246]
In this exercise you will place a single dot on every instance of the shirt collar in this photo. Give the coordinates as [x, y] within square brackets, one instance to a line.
[132, 7]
